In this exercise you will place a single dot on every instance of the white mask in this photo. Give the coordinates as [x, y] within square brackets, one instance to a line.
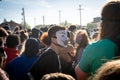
[62, 38]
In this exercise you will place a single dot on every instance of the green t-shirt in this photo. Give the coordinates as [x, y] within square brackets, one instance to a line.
[96, 54]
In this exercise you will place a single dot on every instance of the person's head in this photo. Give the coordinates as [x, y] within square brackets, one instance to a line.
[35, 33]
[12, 41]
[44, 29]
[7, 26]
[45, 39]
[72, 28]
[57, 76]
[17, 28]
[31, 47]
[108, 71]
[23, 36]
[110, 25]
[82, 38]
[58, 36]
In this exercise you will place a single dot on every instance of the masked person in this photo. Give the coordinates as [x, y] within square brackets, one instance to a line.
[50, 62]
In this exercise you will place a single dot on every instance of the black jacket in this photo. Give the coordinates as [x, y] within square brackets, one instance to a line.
[50, 63]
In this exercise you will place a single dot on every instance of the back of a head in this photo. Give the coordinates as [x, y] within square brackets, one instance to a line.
[31, 47]
[23, 36]
[57, 76]
[17, 28]
[111, 11]
[12, 41]
[35, 32]
[110, 26]
[7, 26]
[108, 71]
[72, 28]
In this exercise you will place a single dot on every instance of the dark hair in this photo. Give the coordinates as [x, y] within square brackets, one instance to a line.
[44, 29]
[35, 32]
[72, 28]
[12, 41]
[7, 26]
[17, 28]
[31, 47]
[57, 76]
[23, 36]
[110, 26]
[52, 31]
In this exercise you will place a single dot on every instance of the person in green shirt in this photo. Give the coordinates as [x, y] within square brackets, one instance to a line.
[103, 50]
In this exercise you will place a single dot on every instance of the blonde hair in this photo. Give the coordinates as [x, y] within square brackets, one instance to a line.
[85, 39]
[57, 76]
[108, 71]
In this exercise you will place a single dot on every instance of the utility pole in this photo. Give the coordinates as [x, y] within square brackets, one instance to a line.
[43, 20]
[34, 21]
[59, 17]
[23, 14]
[80, 15]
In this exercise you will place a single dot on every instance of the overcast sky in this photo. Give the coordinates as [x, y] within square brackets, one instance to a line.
[36, 9]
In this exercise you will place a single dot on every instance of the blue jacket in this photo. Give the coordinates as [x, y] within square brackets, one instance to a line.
[17, 69]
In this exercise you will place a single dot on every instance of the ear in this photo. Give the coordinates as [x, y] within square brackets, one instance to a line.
[54, 40]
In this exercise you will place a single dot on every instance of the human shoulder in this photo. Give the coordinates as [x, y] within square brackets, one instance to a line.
[47, 52]
[94, 52]
[47, 55]
[101, 44]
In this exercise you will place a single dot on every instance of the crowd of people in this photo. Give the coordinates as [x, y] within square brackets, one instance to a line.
[63, 53]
